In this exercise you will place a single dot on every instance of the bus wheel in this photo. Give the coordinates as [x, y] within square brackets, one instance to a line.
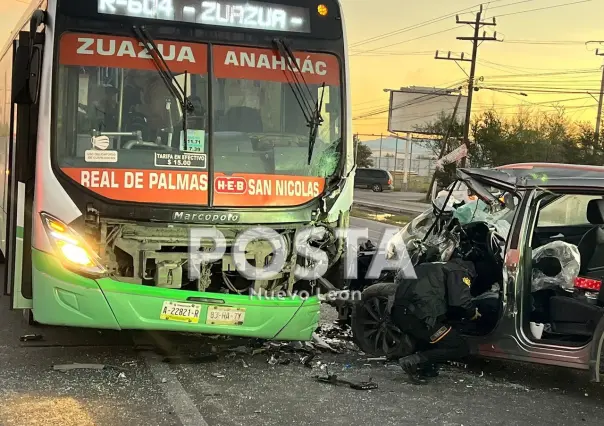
[28, 316]
[372, 330]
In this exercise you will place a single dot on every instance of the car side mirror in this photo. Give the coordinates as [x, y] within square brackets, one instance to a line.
[549, 265]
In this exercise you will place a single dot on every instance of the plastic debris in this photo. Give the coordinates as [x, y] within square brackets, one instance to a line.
[332, 379]
[243, 363]
[218, 375]
[121, 376]
[272, 360]
[307, 360]
[31, 338]
[322, 343]
[570, 261]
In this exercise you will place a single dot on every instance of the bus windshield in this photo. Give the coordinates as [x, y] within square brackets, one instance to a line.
[115, 112]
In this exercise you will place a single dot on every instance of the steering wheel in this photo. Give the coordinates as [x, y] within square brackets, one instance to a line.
[494, 244]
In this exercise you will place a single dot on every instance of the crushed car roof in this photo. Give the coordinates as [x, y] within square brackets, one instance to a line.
[544, 175]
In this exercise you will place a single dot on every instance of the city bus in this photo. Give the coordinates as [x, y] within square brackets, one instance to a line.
[133, 129]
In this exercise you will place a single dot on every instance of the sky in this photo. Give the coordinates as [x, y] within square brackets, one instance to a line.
[537, 47]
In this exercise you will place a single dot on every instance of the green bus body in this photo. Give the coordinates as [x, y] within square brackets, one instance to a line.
[47, 213]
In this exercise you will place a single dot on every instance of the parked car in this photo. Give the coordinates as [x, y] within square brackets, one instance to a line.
[539, 318]
[376, 179]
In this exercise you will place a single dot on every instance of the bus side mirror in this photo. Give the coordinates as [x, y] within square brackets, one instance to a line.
[27, 68]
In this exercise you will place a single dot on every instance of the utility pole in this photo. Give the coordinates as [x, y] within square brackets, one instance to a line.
[380, 157]
[599, 116]
[475, 39]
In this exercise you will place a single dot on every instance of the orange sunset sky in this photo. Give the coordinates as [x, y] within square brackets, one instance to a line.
[542, 50]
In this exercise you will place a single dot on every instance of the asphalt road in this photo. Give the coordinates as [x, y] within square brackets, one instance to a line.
[411, 202]
[244, 389]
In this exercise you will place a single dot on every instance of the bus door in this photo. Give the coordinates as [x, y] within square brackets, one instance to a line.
[20, 167]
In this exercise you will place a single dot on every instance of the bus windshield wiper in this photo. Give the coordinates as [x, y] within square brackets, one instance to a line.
[167, 76]
[311, 109]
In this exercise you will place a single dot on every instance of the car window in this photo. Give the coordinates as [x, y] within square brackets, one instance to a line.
[568, 210]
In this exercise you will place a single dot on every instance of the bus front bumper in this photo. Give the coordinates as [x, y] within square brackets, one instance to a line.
[61, 297]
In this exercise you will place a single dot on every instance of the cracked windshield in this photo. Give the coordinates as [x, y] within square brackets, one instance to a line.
[274, 212]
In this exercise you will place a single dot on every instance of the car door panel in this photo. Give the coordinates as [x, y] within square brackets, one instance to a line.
[570, 234]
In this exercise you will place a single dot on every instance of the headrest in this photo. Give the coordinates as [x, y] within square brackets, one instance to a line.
[595, 212]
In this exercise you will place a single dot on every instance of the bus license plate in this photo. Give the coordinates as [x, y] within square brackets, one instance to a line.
[182, 312]
[225, 316]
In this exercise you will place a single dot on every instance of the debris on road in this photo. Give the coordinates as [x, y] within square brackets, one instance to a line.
[332, 379]
[321, 343]
[78, 366]
[306, 360]
[31, 338]
[218, 375]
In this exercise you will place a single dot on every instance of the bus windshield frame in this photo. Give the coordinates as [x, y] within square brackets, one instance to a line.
[214, 152]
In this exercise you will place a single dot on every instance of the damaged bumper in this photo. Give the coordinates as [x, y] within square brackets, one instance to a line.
[64, 298]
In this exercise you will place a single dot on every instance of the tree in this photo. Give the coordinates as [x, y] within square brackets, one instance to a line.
[363, 153]
[528, 136]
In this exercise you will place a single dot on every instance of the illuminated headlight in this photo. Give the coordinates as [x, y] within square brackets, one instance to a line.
[71, 248]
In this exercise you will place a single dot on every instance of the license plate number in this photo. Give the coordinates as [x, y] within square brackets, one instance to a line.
[225, 316]
[182, 312]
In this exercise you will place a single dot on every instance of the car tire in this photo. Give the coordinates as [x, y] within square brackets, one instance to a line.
[376, 187]
[372, 329]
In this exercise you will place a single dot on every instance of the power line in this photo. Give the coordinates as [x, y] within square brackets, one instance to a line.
[543, 8]
[548, 42]
[429, 22]
[404, 41]
[451, 29]
[514, 89]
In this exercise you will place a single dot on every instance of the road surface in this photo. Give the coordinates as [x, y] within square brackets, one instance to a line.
[241, 389]
[407, 202]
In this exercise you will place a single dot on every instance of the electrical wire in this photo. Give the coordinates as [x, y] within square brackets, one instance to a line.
[429, 22]
[405, 41]
[543, 8]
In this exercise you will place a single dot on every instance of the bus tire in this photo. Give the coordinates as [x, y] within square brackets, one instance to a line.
[380, 337]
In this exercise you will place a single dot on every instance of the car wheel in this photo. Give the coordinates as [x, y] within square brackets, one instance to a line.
[376, 187]
[372, 330]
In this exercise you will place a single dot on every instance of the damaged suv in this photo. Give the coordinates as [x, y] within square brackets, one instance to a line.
[548, 211]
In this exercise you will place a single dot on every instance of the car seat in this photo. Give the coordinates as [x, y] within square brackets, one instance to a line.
[591, 246]
[573, 316]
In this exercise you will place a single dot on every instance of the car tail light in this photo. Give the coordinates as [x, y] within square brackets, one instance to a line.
[389, 181]
[588, 284]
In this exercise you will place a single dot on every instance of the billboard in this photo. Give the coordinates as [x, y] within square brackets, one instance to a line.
[412, 109]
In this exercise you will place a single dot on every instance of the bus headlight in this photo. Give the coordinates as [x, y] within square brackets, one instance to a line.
[72, 249]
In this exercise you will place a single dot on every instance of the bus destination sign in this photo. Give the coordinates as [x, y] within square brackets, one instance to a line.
[224, 13]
